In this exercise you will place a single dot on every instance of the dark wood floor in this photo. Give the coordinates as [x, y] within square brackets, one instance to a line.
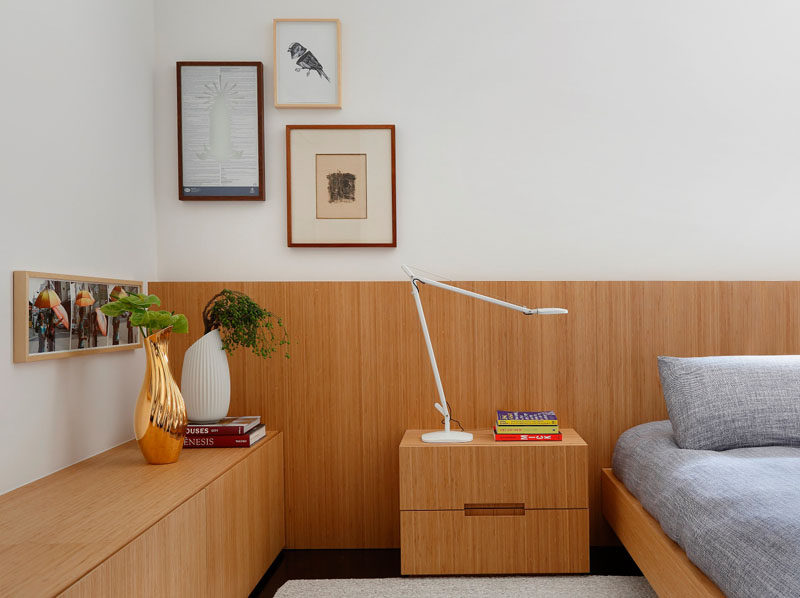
[342, 564]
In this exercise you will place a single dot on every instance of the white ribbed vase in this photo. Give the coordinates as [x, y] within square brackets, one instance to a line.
[206, 380]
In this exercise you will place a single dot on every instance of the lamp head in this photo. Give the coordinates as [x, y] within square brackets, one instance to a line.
[546, 311]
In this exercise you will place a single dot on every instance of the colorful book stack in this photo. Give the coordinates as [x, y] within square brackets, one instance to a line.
[526, 425]
[227, 432]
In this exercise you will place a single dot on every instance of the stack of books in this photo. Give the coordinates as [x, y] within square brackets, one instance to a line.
[227, 432]
[526, 425]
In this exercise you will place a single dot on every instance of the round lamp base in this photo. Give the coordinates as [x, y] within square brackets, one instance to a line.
[451, 436]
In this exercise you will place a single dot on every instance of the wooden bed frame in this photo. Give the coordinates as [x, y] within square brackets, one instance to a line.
[662, 561]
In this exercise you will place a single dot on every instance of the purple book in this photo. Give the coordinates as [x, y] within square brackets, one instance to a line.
[544, 418]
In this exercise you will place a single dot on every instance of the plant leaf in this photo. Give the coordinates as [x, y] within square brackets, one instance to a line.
[113, 309]
[180, 324]
[244, 323]
[141, 301]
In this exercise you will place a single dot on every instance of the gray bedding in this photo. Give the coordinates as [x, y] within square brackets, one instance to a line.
[736, 513]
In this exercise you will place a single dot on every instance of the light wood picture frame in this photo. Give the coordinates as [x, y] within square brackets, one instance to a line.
[351, 170]
[303, 75]
[220, 131]
[58, 315]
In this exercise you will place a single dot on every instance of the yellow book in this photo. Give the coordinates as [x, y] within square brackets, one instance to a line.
[526, 418]
[508, 429]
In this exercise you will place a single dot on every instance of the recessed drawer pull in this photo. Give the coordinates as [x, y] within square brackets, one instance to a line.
[494, 509]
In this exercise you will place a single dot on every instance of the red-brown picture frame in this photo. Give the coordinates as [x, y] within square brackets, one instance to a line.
[290, 242]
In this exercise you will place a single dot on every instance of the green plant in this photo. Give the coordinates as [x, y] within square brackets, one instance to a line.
[244, 323]
[138, 306]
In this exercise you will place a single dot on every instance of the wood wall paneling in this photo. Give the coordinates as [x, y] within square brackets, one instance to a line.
[359, 377]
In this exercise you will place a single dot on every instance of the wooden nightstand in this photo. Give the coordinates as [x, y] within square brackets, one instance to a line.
[493, 507]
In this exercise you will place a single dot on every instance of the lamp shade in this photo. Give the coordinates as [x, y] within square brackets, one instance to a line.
[84, 299]
[102, 321]
[117, 293]
[61, 315]
[48, 298]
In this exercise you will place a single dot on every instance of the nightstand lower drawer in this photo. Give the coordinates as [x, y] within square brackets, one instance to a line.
[452, 542]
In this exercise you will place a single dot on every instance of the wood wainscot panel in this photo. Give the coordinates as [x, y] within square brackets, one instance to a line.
[359, 374]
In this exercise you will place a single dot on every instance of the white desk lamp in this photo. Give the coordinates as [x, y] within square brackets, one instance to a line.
[448, 435]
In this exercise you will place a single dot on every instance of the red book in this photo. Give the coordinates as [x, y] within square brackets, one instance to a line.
[225, 440]
[227, 425]
[527, 437]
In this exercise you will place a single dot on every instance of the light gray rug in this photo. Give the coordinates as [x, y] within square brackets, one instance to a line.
[594, 586]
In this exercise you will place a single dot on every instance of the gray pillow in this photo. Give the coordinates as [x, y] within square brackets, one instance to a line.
[720, 403]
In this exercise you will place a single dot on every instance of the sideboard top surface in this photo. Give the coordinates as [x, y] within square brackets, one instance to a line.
[57, 528]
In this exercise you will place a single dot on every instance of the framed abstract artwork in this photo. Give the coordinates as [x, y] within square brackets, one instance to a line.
[307, 63]
[340, 186]
[220, 131]
[57, 315]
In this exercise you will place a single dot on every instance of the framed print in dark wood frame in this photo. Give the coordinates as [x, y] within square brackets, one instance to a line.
[220, 131]
[340, 186]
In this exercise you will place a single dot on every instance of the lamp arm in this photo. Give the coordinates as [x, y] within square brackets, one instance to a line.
[442, 407]
[528, 311]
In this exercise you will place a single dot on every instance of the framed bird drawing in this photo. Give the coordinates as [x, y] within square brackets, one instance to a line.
[307, 63]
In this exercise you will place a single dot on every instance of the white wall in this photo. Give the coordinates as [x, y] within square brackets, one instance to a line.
[76, 185]
[549, 139]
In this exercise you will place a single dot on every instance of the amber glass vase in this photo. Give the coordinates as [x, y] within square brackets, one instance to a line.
[160, 415]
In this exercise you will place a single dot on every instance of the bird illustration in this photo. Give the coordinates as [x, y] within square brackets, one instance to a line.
[306, 60]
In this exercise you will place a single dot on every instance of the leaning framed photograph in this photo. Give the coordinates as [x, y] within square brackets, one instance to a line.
[307, 63]
[340, 186]
[220, 131]
[57, 315]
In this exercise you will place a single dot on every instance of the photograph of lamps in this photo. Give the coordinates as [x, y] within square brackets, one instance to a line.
[48, 318]
[448, 435]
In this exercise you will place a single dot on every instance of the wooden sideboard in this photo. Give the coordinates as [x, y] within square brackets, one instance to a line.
[486, 507]
[208, 525]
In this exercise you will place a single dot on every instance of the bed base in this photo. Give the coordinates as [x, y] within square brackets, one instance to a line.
[662, 561]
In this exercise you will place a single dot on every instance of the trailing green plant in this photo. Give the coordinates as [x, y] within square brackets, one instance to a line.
[244, 323]
[138, 306]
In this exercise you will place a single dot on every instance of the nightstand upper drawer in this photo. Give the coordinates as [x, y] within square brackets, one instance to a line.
[542, 475]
